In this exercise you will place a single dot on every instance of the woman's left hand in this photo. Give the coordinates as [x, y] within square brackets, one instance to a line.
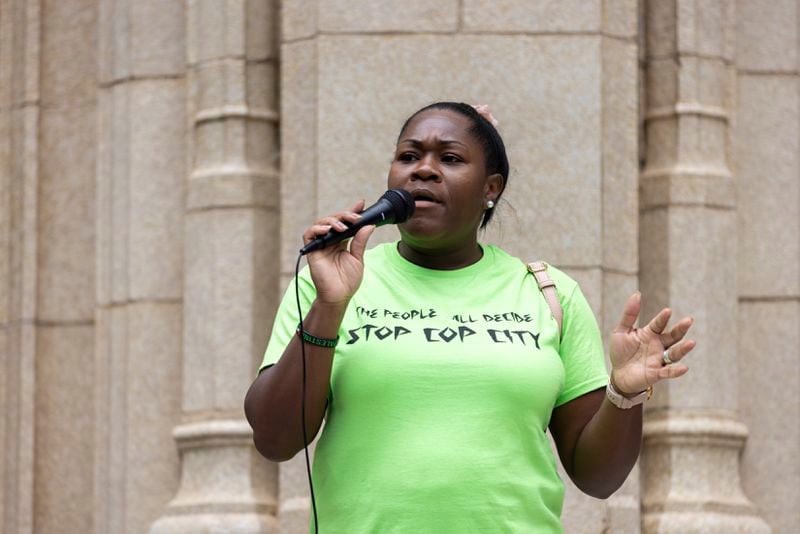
[637, 353]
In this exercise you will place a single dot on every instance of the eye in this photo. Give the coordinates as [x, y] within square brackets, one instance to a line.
[407, 156]
[451, 158]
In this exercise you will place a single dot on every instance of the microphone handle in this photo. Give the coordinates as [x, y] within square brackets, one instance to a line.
[367, 218]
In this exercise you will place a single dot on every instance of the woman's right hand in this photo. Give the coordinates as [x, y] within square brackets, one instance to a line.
[335, 270]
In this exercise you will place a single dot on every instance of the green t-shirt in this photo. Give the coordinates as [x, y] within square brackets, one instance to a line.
[442, 388]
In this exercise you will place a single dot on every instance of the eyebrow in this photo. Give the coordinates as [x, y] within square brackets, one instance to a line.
[416, 143]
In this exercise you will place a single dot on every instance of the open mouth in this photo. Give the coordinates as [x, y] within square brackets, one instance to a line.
[424, 198]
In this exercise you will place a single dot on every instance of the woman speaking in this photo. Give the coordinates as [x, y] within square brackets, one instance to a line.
[439, 363]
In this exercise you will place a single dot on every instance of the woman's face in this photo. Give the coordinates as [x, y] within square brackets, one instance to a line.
[443, 166]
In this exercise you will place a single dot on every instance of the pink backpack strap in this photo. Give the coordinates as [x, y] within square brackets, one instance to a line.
[548, 288]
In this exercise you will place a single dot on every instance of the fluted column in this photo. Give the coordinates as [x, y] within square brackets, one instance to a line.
[693, 435]
[20, 49]
[230, 267]
[140, 176]
[49, 117]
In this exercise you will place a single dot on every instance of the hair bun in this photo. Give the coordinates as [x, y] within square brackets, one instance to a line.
[484, 111]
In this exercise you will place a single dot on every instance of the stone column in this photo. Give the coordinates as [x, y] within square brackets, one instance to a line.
[693, 434]
[48, 361]
[20, 49]
[230, 266]
[63, 443]
[140, 177]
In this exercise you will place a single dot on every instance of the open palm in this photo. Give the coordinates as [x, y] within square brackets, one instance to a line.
[637, 353]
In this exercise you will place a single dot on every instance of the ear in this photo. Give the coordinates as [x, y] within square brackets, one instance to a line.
[494, 187]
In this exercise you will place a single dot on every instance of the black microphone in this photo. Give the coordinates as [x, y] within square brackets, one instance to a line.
[394, 207]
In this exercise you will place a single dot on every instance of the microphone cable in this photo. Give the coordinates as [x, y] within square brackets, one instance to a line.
[303, 402]
[395, 206]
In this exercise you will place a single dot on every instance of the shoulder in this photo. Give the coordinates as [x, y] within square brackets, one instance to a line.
[565, 284]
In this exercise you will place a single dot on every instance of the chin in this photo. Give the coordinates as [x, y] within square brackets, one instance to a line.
[421, 233]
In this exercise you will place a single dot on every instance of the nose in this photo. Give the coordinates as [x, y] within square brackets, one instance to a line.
[426, 170]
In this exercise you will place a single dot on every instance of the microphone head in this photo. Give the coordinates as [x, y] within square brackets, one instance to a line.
[402, 204]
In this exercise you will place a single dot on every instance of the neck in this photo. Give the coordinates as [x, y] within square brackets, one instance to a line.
[443, 260]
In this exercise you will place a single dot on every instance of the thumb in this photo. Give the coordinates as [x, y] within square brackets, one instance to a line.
[359, 242]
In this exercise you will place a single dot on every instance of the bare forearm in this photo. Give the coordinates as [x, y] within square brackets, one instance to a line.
[607, 449]
[273, 403]
[598, 442]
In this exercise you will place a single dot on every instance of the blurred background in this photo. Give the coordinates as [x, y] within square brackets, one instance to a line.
[159, 160]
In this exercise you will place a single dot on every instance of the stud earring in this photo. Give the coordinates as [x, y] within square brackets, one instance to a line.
[489, 204]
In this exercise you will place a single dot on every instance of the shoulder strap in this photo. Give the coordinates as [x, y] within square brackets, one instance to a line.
[548, 288]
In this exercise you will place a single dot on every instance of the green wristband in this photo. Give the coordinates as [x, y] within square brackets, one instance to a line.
[318, 341]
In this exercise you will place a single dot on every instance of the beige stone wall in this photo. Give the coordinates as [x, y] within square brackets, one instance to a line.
[767, 162]
[148, 226]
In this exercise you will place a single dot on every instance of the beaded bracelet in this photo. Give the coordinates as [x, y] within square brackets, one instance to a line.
[318, 341]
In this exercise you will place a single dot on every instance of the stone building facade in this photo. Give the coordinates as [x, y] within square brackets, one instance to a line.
[160, 158]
